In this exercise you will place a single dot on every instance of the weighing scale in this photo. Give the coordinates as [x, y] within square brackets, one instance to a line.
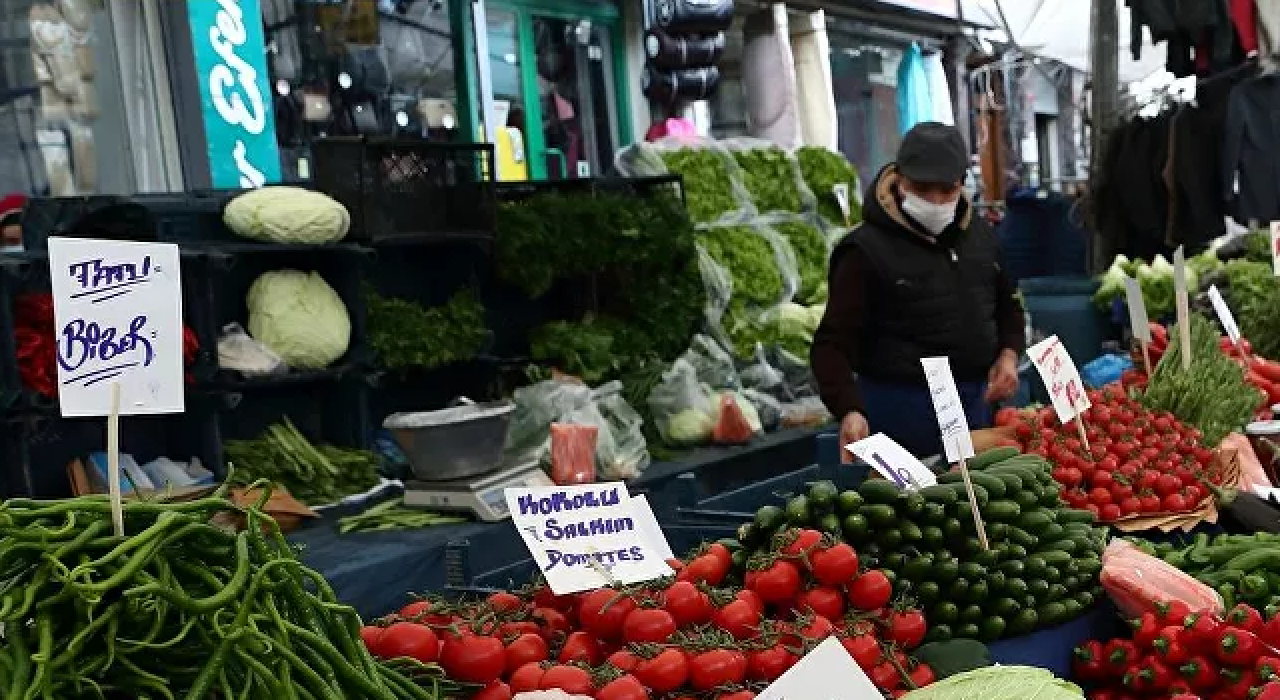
[481, 495]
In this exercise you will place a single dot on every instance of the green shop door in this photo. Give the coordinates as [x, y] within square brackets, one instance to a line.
[555, 77]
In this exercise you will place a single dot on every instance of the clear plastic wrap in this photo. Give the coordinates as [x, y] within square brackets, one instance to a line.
[760, 262]
[713, 182]
[239, 352]
[731, 426]
[717, 284]
[621, 452]
[771, 176]
[768, 409]
[537, 407]
[715, 366]
[1136, 581]
[682, 411]
[811, 248]
[765, 378]
[573, 453]
[808, 412]
[795, 368]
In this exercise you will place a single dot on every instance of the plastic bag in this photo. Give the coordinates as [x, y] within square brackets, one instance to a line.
[768, 409]
[717, 285]
[573, 453]
[714, 366]
[682, 412]
[537, 407]
[811, 247]
[239, 352]
[771, 176]
[760, 262]
[765, 378]
[1136, 581]
[808, 412]
[795, 371]
[713, 184]
[623, 453]
[731, 426]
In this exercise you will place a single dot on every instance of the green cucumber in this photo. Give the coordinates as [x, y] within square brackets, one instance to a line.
[991, 456]
[879, 515]
[945, 494]
[1019, 536]
[994, 486]
[1035, 521]
[1003, 511]
[879, 491]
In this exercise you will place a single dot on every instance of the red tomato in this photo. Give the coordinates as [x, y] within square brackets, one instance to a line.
[1109, 512]
[527, 678]
[552, 624]
[664, 673]
[801, 543]
[906, 628]
[504, 602]
[496, 690]
[687, 604]
[581, 647]
[826, 601]
[372, 637]
[870, 591]
[777, 584]
[622, 688]
[602, 612]
[708, 569]
[751, 597]
[739, 618]
[922, 675]
[737, 695]
[526, 649]
[864, 649]
[624, 660]
[412, 640]
[570, 679]
[423, 611]
[836, 565]
[768, 664]
[1175, 503]
[652, 625]
[886, 677]
[712, 669]
[476, 659]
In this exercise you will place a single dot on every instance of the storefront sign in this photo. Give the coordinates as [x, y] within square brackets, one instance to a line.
[584, 537]
[235, 100]
[826, 673]
[1059, 374]
[946, 8]
[893, 462]
[118, 308]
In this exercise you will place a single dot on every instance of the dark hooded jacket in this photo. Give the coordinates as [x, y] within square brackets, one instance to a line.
[898, 294]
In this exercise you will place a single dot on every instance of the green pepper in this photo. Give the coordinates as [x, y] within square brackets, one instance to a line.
[1228, 593]
[1253, 586]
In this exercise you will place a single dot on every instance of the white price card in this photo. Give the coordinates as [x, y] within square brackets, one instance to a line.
[584, 537]
[952, 422]
[117, 306]
[826, 673]
[1060, 376]
[840, 191]
[1224, 314]
[1275, 247]
[893, 462]
[1182, 306]
[1137, 310]
[647, 524]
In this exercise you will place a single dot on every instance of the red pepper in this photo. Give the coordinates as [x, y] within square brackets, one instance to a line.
[1239, 648]
[1239, 683]
[1134, 681]
[1270, 691]
[1087, 663]
[1156, 674]
[1102, 695]
[1200, 673]
[1180, 688]
[1271, 632]
[1172, 612]
[1268, 668]
[1145, 630]
[1246, 617]
[1119, 655]
[1168, 645]
[1203, 630]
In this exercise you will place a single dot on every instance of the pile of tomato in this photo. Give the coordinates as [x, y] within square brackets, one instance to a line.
[1135, 463]
[1175, 653]
[693, 635]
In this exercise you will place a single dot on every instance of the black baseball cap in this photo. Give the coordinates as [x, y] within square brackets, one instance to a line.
[933, 153]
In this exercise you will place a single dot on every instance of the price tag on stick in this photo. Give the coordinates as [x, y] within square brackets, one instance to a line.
[1059, 374]
[117, 309]
[1182, 306]
[1228, 320]
[1138, 319]
[973, 506]
[952, 422]
[893, 462]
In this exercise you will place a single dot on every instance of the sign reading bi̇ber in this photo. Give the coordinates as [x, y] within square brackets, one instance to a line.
[235, 99]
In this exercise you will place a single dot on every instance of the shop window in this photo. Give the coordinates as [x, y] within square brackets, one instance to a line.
[364, 67]
[728, 106]
[865, 79]
[64, 129]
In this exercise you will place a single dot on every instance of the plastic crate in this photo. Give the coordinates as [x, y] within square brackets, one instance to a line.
[327, 410]
[175, 218]
[399, 188]
[1063, 306]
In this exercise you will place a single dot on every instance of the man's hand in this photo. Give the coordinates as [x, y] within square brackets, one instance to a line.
[852, 429]
[1002, 380]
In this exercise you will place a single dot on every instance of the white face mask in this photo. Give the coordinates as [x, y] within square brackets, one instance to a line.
[933, 217]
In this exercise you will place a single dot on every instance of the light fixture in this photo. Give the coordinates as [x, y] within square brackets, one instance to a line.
[344, 80]
[402, 119]
[283, 87]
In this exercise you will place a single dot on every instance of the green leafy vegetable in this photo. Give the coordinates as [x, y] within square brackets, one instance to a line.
[822, 170]
[751, 262]
[313, 475]
[1253, 293]
[810, 247]
[789, 326]
[394, 515]
[708, 189]
[1257, 247]
[1000, 683]
[404, 334]
[770, 177]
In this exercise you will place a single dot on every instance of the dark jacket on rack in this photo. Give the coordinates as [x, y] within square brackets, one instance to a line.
[1190, 28]
[898, 295]
[1251, 142]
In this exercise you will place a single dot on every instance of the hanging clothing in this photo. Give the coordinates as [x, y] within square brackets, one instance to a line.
[914, 105]
[1244, 15]
[1199, 34]
[1268, 28]
[939, 90]
[1248, 153]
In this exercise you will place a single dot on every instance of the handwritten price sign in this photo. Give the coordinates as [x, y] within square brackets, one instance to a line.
[117, 306]
[893, 462]
[1060, 376]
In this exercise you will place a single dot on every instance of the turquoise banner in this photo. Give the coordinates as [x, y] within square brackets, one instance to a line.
[235, 99]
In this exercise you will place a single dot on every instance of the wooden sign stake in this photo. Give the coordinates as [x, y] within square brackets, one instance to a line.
[1146, 356]
[113, 461]
[973, 505]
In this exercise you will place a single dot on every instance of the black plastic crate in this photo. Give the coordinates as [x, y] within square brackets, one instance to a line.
[328, 412]
[173, 218]
[635, 186]
[400, 189]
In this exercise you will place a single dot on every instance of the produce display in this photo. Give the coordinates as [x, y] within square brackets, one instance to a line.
[313, 475]
[1138, 462]
[394, 515]
[1002, 683]
[405, 334]
[1156, 280]
[694, 635]
[1040, 570]
[822, 171]
[708, 187]
[771, 176]
[788, 326]
[1175, 652]
[299, 317]
[283, 214]
[1241, 568]
[181, 608]
[752, 261]
[811, 251]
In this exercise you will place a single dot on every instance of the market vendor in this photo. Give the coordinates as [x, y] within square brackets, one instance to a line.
[919, 277]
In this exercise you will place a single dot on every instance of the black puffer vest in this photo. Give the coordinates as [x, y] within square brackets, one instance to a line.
[927, 296]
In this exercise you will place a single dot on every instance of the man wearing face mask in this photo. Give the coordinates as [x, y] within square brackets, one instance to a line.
[919, 277]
